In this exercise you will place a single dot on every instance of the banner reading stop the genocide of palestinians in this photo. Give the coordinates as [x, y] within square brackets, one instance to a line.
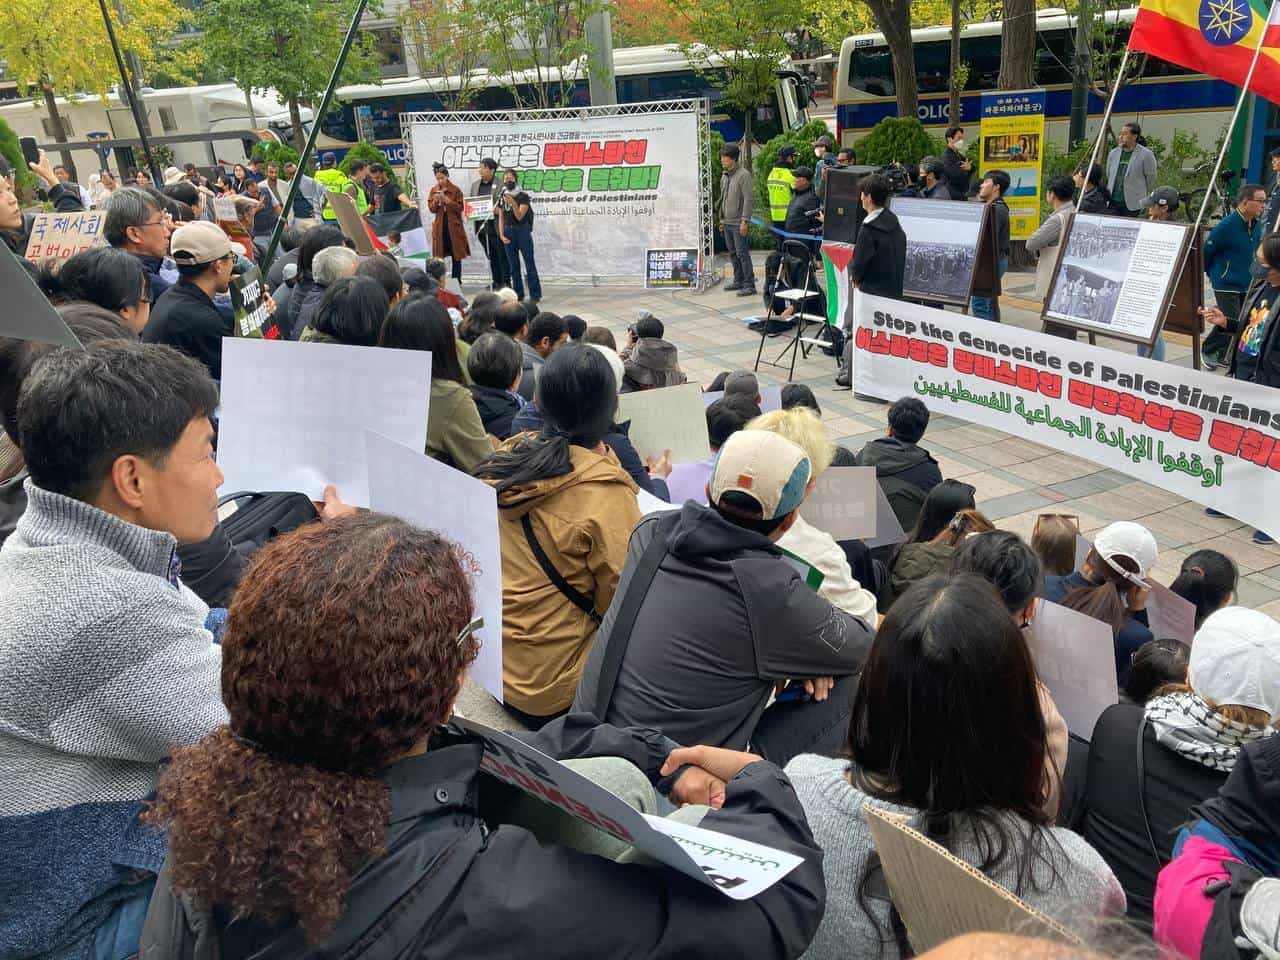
[605, 189]
[1206, 438]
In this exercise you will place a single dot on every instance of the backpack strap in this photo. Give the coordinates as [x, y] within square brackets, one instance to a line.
[1142, 793]
[576, 597]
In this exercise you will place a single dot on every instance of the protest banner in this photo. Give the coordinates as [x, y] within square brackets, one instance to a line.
[408, 484]
[770, 398]
[1200, 436]
[1075, 658]
[294, 415]
[738, 868]
[1012, 140]
[950, 249]
[671, 268]
[224, 208]
[606, 185]
[352, 224]
[249, 308]
[57, 236]
[27, 314]
[843, 503]
[672, 418]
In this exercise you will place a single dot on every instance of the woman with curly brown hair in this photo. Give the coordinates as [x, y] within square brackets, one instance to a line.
[337, 810]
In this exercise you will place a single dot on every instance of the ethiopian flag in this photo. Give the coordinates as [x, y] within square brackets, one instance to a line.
[1217, 37]
[835, 262]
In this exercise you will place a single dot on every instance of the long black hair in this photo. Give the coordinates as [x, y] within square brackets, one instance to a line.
[422, 323]
[578, 396]
[1207, 579]
[352, 311]
[106, 276]
[940, 508]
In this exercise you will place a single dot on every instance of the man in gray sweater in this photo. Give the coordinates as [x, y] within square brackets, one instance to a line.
[737, 197]
[105, 664]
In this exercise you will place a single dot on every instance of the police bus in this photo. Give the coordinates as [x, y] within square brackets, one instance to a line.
[1163, 99]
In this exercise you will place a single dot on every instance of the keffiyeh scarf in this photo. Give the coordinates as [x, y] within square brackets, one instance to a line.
[1187, 725]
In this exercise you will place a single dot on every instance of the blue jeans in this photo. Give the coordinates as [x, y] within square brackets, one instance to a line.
[984, 307]
[521, 244]
[1157, 353]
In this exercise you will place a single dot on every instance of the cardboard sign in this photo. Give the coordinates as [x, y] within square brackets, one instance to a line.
[843, 503]
[737, 868]
[294, 414]
[673, 267]
[770, 398]
[672, 418]
[1075, 658]
[425, 492]
[889, 531]
[249, 307]
[1170, 616]
[56, 236]
[27, 313]
[352, 224]
[224, 208]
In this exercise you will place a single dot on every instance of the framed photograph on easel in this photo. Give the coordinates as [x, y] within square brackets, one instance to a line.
[1115, 276]
[950, 250]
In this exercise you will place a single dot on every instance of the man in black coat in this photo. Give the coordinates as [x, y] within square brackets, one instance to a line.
[804, 204]
[958, 167]
[879, 257]
[184, 317]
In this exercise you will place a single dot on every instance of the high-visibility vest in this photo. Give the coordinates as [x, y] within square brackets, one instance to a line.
[336, 181]
[781, 184]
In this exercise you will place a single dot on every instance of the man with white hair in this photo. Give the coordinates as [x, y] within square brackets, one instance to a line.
[330, 264]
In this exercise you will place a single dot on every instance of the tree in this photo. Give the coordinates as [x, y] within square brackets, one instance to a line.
[1017, 45]
[639, 23]
[62, 48]
[449, 38]
[286, 45]
[959, 73]
[742, 43]
[539, 47]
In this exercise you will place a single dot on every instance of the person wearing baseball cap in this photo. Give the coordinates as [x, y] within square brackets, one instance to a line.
[804, 212]
[822, 148]
[1162, 204]
[781, 184]
[1189, 738]
[1111, 586]
[710, 614]
[184, 317]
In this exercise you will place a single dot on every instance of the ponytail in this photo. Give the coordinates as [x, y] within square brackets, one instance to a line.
[1107, 600]
[535, 458]
[1207, 580]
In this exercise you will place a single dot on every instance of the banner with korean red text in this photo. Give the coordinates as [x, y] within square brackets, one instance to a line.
[1209, 439]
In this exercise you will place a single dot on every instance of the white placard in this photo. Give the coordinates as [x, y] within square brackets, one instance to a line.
[427, 493]
[27, 313]
[672, 418]
[770, 398]
[1169, 615]
[224, 208]
[650, 504]
[843, 503]
[294, 414]
[889, 531]
[1075, 658]
[737, 868]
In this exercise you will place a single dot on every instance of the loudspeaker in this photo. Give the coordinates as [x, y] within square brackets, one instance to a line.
[843, 206]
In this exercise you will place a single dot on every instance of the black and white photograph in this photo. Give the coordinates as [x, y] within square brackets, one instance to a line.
[942, 247]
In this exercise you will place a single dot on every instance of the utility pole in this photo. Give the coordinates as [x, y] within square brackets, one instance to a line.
[600, 81]
[127, 88]
[1081, 66]
[135, 73]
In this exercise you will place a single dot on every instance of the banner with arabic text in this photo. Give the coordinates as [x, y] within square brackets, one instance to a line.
[1206, 438]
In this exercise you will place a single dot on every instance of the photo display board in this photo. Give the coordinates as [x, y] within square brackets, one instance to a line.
[1115, 275]
[944, 238]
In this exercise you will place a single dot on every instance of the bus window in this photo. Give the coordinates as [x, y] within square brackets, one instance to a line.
[677, 86]
[982, 54]
[1054, 50]
[340, 124]
[785, 92]
[633, 89]
[386, 119]
[871, 71]
[933, 66]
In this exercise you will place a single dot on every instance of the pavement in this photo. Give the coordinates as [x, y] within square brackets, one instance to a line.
[1015, 479]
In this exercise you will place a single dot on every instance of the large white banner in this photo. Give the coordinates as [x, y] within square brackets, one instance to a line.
[605, 188]
[1203, 437]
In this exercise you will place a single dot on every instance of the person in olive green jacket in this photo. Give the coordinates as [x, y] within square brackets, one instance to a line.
[455, 434]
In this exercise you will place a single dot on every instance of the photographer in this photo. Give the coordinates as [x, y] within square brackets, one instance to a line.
[515, 229]
[804, 212]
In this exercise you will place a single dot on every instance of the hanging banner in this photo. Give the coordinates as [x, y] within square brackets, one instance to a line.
[1012, 141]
[1200, 436]
[605, 188]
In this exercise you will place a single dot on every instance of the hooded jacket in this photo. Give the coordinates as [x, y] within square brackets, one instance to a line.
[880, 255]
[914, 562]
[497, 409]
[452, 884]
[725, 616]
[455, 434]
[582, 520]
[906, 473]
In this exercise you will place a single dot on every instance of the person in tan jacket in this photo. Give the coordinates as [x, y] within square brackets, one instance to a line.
[562, 494]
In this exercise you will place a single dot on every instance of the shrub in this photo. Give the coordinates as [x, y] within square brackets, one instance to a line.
[12, 151]
[369, 154]
[269, 151]
[897, 140]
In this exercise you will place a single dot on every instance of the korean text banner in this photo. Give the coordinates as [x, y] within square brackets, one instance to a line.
[1202, 437]
[1013, 141]
[605, 189]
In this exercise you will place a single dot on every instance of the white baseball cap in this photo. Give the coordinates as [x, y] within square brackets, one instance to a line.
[1127, 539]
[1236, 660]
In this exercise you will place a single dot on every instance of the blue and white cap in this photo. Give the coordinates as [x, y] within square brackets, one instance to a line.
[768, 468]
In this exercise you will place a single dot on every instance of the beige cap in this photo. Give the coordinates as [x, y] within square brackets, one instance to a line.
[198, 242]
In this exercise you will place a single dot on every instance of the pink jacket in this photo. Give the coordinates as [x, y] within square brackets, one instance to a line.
[1181, 909]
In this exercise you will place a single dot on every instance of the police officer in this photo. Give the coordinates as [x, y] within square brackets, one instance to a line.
[781, 185]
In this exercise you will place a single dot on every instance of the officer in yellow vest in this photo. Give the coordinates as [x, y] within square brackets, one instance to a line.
[781, 185]
[334, 180]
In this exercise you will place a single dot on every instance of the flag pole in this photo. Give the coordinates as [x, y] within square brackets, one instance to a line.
[1231, 124]
[1106, 119]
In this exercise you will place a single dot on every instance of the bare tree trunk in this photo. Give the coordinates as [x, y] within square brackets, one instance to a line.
[893, 17]
[1017, 45]
[746, 138]
[295, 120]
[953, 102]
[59, 133]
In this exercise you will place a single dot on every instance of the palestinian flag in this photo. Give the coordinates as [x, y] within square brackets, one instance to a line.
[414, 240]
[1217, 37]
[835, 262]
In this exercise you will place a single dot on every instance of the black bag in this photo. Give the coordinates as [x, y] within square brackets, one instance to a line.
[261, 516]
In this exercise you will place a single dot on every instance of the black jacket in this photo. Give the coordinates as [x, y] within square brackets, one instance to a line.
[1000, 214]
[724, 618]
[65, 198]
[1095, 201]
[1266, 370]
[906, 473]
[497, 409]
[803, 202]
[939, 191]
[957, 179]
[186, 319]
[151, 267]
[455, 884]
[1111, 818]
[880, 256]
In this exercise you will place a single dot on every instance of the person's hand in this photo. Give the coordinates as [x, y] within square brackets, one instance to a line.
[659, 466]
[334, 506]
[1214, 316]
[503, 238]
[819, 687]
[720, 763]
[43, 169]
[696, 785]
[966, 166]
[270, 303]
[1140, 596]
[742, 229]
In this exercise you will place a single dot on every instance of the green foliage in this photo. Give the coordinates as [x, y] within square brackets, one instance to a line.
[269, 151]
[163, 154]
[712, 160]
[369, 154]
[898, 140]
[557, 60]
[11, 149]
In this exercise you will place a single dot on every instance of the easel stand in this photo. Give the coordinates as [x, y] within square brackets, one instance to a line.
[798, 297]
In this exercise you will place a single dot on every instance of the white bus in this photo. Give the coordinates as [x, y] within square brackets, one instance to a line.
[1166, 97]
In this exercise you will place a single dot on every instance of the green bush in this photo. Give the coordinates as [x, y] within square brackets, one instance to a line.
[12, 152]
[269, 151]
[712, 160]
[369, 154]
[898, 140]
